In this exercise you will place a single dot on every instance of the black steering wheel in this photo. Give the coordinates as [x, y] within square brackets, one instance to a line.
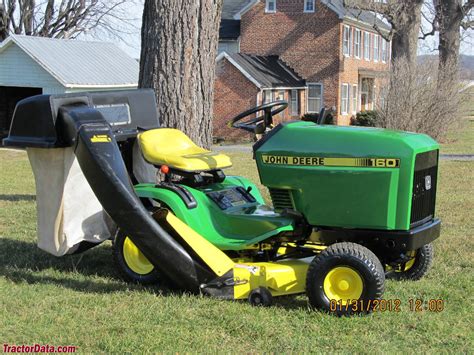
[259, 124]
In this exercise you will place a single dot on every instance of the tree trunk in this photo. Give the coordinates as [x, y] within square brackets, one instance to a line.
[178, 56]
[450, 16]
[3, 23]
[406, 27]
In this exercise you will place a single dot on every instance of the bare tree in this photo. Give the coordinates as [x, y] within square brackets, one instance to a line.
[178, 57]
[404, 17]
[448, 18]
[414, 99]
[63, 18]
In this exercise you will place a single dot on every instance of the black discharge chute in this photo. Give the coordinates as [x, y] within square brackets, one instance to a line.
[97, 126]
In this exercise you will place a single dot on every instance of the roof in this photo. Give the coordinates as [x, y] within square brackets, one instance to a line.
[79, 64]
[233, 7]
[363, 16]
[229, 29]
[265, 71]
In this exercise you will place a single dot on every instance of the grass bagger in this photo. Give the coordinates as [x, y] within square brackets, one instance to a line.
[350, 205]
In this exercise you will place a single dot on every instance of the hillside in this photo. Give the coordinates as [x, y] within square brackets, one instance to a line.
[466, 63]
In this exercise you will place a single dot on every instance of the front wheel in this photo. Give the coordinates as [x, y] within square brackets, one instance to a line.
[343, 274]
[132, 265]
[416, 267]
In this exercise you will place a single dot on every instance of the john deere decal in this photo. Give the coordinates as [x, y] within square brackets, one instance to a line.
[325, 161]
[101, 138]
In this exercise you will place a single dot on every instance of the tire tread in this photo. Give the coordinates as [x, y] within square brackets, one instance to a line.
[345, 249]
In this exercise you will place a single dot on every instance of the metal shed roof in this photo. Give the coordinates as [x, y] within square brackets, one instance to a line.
[79, 64]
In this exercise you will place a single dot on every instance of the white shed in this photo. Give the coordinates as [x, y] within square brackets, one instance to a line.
[37, 65]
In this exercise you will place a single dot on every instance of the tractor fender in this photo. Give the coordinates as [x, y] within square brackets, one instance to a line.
[169, 197]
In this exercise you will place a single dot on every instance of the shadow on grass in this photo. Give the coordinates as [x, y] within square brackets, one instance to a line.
[16, 198]
[22, 262]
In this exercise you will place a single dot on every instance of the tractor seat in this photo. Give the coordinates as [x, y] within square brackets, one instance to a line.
[171, 147]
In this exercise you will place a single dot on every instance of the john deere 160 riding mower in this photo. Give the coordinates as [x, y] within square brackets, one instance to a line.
[349, 205]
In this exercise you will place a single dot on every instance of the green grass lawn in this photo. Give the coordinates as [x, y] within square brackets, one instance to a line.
[80, 300]
[460, 140]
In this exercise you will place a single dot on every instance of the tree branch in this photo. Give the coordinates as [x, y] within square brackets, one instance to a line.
[48, 16]
[466, 25]
[468, 6]
[434, 22]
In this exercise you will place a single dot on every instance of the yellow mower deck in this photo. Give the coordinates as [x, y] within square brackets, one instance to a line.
[280, 278]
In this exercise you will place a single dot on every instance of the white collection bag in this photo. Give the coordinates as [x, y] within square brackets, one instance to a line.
[68, 211]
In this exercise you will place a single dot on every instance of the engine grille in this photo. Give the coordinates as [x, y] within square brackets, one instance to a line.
[281, 199]
[424, 188]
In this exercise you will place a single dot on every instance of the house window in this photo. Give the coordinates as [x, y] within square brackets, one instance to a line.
[384, 50]
[267, 96]
[294, 109]
[346, 44]
[315, 95]
[344, 99]
[376, 48]
[309, 6]
[367, 94]
[354, 99]
[366, 45]
[281, 95]
[270, 6]
[349, 95]
[357, 43]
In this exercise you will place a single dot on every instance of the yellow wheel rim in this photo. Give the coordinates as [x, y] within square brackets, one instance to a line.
[342, 284]
[135, 260]
[409, 264]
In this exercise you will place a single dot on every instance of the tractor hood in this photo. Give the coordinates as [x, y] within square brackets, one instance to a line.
[343, 141]
[339, 176]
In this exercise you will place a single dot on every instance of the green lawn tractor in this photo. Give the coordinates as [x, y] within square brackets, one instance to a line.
[350, 205]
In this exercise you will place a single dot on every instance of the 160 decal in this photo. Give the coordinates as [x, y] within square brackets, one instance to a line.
[329, 161]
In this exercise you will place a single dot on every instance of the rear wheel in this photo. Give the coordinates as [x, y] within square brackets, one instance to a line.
[132, 265]
[416, 267]
[343, 274]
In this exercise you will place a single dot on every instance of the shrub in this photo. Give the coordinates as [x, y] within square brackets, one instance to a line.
[311, 117]
[365, 119]
[420, 98]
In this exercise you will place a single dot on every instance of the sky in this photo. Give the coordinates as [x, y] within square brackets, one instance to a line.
[130, 43]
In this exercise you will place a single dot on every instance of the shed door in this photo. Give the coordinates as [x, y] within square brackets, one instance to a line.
[9, 96]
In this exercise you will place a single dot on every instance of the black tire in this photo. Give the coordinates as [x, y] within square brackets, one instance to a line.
[125, 271]
[261, 297]
[353, 260]
[422, 264]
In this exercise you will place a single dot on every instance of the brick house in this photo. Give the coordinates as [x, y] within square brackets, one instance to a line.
[312, 53]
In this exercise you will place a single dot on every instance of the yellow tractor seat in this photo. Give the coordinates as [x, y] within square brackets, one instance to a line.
[171, 147]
